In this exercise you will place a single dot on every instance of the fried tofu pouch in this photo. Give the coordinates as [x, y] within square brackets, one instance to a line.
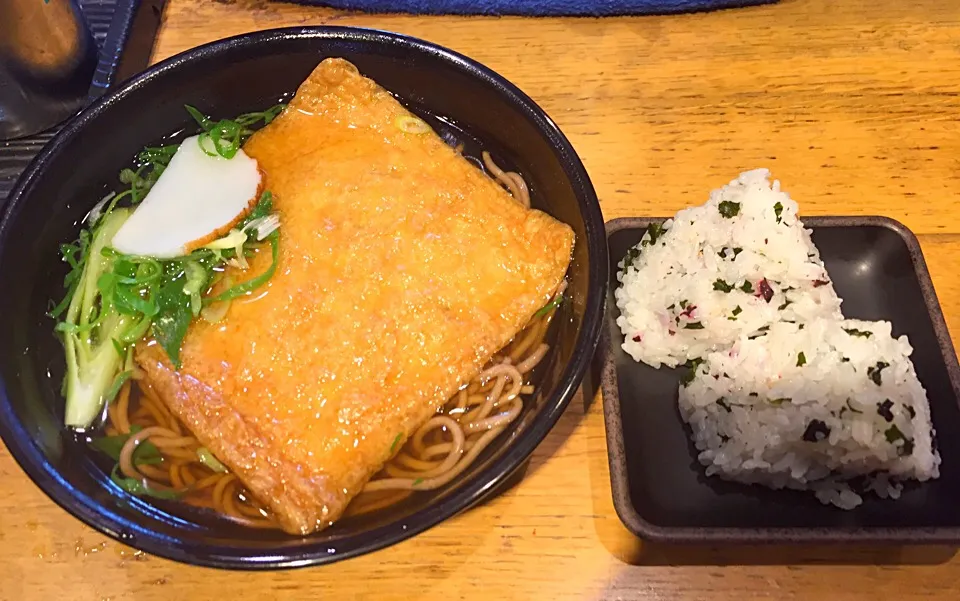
[402, 269]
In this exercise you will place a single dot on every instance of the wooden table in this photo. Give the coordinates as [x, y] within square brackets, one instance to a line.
[854, 105]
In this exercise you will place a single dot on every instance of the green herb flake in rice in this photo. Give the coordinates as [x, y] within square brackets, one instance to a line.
[655, 231]
[819, 426]
[699, 248]
[693, 325]
[873, 372]
[632, 255]
[729, 209]
[778, 210]
[884, 410]
[692, 365]
[894, 435]
[817, 431]
[730, 253]
[722, 286]
[858, 333]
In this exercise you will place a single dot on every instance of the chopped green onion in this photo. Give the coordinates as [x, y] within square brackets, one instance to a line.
[553, 304]
[196, 280]
[207, 458]
[263, 226]
[146, 452]
[233, 239]
[254, 283]
[114, 300]
[137, 487]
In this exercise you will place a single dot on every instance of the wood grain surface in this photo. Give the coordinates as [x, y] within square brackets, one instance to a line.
[854, 105]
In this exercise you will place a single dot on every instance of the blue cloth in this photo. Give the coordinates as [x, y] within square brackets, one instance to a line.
[535, 8]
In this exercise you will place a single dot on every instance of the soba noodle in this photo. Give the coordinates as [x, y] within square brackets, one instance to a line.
[434, 455]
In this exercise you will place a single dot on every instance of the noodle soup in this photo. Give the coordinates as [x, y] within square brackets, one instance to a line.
[157, 455]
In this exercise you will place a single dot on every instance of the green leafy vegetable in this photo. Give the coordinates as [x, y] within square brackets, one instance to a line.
[778, 209]
[801, 359]
[138, 488]
[170, 326]
[145, 453]
[553, 304]
[114, 300]
[858, 333]
[225, 137]
[88, 330]
[747, 287]
[208, 459]
[263, 208]
[117, 384]
[693, 325]
[254, 283]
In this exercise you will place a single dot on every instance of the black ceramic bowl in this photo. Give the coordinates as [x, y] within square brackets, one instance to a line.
[226, 78]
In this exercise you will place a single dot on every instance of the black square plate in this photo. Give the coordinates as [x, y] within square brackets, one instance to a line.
[660, 490]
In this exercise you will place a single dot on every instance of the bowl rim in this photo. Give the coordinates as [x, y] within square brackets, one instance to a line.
[219, 555]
